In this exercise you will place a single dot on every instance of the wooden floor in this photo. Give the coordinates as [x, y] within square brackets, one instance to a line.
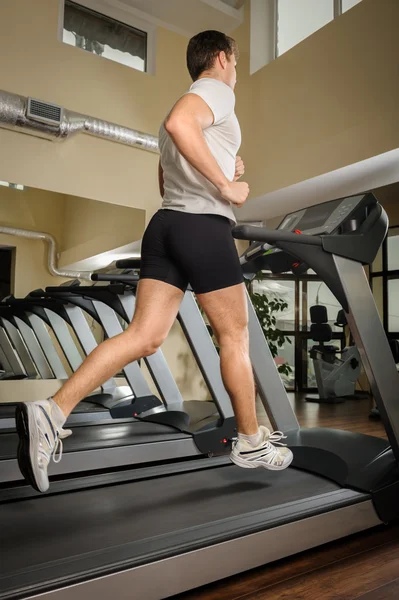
[352, 415]
[364, 566]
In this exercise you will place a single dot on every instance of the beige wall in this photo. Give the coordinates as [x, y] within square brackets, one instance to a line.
[30, 270]
[388, 196]
[82, 228]
[92, 227]
[39, 65]
[33, 209]
[329, 102]
[38, 211]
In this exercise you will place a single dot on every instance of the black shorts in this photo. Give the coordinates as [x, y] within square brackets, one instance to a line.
[183, 248]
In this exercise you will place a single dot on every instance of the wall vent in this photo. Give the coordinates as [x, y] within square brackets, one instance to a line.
[44, 112]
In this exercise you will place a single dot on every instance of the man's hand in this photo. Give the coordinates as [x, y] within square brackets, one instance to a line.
[235, 192]
[240, 169]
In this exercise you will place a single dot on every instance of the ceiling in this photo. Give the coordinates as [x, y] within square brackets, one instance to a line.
[184, 16]
[366, 175]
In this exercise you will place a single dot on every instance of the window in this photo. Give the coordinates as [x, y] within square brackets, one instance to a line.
[318, 293]
[378, 293]
[347, 4]
[393, 305]
[298, 20]
[385, 282]
[104, 36]
[393, 249]
[14, 186]
[283, 290]
[299, 294]
[279, 25]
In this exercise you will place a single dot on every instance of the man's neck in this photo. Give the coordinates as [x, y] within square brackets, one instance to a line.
[211, 75]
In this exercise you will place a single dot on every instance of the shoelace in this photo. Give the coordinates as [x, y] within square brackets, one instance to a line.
[58, 448]
[55, 453]
[272, 454]
[274, 438]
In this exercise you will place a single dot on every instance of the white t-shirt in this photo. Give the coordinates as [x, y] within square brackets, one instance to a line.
[185, 188]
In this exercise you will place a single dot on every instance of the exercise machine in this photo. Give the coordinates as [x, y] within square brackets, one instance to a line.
[336, 370]
[159, 435]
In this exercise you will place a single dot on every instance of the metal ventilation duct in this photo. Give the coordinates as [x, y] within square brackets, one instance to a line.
[52, 122]
[52, 257]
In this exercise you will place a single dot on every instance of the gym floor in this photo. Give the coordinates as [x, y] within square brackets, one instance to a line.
[364, 566]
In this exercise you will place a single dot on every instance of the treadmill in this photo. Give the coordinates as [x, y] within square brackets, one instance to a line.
[10, 325]
[166, 528]
[14, 363]
[147, 437]
[25, 321]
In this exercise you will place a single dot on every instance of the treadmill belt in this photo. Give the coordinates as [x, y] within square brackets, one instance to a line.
[77, 533]
[97, 436]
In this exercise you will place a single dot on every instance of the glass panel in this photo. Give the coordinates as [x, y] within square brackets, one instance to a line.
[393, 305]
[284, 352]
[286, 356]
[299, 19]
[378, 295]
[318, 293]
[377, 264]
[279, 290]
[303, 305]
[347, 4]
[311, 378]
[105, 37]
[393, 249]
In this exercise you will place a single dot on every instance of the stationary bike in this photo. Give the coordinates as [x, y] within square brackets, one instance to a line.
[336, 370]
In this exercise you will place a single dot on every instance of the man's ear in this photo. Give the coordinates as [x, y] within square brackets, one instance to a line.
[222, 58]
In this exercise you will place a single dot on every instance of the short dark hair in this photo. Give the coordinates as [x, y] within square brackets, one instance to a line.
[204, 47]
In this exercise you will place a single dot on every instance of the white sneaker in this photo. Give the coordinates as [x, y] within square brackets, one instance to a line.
[265, 455]
[39, 441]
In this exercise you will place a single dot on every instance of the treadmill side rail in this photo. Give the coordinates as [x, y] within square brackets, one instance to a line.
[372, 343]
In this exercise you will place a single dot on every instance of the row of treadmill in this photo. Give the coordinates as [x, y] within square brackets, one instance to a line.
[145, 501]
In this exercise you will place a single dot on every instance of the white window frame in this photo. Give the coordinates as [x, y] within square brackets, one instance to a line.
[264, 43]
[337, 11]
[114, 9]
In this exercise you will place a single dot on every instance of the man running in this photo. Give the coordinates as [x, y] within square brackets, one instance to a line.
[188, 240]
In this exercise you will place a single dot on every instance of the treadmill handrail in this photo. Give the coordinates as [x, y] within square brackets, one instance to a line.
[120, 278]
[273, 236]
[128, 263]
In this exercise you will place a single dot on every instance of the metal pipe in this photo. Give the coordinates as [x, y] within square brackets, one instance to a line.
[53, 122]
[52, 257]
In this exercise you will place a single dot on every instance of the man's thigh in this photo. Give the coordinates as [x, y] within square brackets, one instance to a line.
[227, 310]
[157, 305]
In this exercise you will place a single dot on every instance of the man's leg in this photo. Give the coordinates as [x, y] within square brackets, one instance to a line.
[39, 423]
[157, 304]
[227, 312]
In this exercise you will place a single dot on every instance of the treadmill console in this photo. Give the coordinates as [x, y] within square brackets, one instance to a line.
[321, 219]
[329, 218]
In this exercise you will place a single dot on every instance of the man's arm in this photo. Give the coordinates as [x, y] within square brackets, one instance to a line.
[160, 180]
[185, 125]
